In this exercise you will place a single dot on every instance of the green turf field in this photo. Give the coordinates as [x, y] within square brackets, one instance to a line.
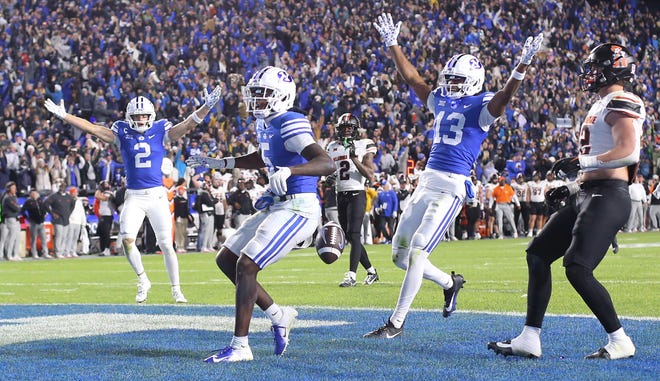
[495, 270]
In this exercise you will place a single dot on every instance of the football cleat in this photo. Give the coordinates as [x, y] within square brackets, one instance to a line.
[229, 354]
[177, 294]
[281, 331]
[348, 281]
[513, 348]
[388, 331]
[371, 278]
[143, 289]
[452, 293]
[614, 351]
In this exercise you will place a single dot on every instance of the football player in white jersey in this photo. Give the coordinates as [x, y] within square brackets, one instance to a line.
[600, 204]
[537, 206]
[143, 142]
[355, 164]
[463, 116]
[288, 212]
[522, 193]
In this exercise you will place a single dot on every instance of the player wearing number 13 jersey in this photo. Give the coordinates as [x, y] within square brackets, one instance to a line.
[141, 140]
[463, 115]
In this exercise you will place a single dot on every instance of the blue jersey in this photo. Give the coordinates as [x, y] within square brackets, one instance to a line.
[457, 134]
[281, 140]
[142, 153]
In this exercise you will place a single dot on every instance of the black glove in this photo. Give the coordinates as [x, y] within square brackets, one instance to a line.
[349, 144]
[330, 180]
[566, 166]
[556, 196]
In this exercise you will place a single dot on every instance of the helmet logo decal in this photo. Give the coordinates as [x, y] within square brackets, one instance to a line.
[474, 63]
[619, 57]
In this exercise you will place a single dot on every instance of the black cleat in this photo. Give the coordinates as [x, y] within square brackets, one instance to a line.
[388, 331]
[452, 293]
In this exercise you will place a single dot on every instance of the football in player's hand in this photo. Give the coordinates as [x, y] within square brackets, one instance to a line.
[330, 242]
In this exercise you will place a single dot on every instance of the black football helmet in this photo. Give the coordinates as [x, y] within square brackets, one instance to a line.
[607, 64]
[347, 127]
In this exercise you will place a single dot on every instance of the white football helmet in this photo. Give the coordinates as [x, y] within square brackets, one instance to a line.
[270, 90]
[464, 66]
[140, 106]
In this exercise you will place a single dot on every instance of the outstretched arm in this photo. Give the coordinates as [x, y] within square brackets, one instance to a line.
[176, 132]
[59, 111]
[389, 33]
[497, 105]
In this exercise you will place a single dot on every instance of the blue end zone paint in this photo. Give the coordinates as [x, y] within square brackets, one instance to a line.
[432, 347]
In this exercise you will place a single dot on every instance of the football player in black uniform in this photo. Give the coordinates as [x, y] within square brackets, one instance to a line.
[600, 204]
[354, 160]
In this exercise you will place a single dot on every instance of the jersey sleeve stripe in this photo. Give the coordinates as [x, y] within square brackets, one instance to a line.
[631, 108]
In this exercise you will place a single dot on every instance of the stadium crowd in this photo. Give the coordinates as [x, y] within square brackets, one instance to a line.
[97, 55]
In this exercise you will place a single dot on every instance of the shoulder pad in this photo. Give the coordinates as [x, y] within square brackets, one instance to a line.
[627, 103]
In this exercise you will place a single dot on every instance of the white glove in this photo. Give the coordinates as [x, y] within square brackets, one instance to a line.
[388, 31]
[57, 110]
[277, 181]
[209, 162]
[211, 99]
[532, 45]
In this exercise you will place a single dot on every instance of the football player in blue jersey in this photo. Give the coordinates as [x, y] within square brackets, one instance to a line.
[288, 214]
[463, 116]
[142, 141]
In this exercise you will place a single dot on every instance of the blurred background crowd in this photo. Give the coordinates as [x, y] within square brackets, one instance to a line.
[96, 55]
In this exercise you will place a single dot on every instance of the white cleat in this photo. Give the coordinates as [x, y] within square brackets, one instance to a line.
[178, 295]
[230, 354]
[143, 289]
[614, 351]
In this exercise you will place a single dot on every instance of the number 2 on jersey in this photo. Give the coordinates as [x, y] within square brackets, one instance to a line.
[143, 151]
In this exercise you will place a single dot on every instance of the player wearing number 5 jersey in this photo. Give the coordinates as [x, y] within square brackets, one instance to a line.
[463, 116]
[288, 212]
[142, 142]
[355, 165]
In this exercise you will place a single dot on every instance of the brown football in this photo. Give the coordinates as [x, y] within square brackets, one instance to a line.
[330, 242]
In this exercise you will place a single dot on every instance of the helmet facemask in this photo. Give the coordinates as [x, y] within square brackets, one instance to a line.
[348, 128]
[466, 67]
[270, 90]
[140, 106]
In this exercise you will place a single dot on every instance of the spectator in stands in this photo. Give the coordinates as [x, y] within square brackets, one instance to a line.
[60, 205]
[34, 210]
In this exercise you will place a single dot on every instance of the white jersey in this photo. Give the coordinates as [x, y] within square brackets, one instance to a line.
[348, 177]
[556, 183]
[596, 134]
[537, 190]
[521, 190]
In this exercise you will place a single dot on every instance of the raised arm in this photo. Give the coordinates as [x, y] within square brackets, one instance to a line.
[197, 116]
[497, 105]
[59, 111]
[389, 32]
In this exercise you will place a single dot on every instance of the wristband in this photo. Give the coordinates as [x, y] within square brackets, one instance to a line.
[518, 75]
[230, 162]
[589, 161]
[195, 118]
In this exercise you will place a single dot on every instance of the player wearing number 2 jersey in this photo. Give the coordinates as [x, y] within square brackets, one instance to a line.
[142, 142]
[355, 165]
[463, 115]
